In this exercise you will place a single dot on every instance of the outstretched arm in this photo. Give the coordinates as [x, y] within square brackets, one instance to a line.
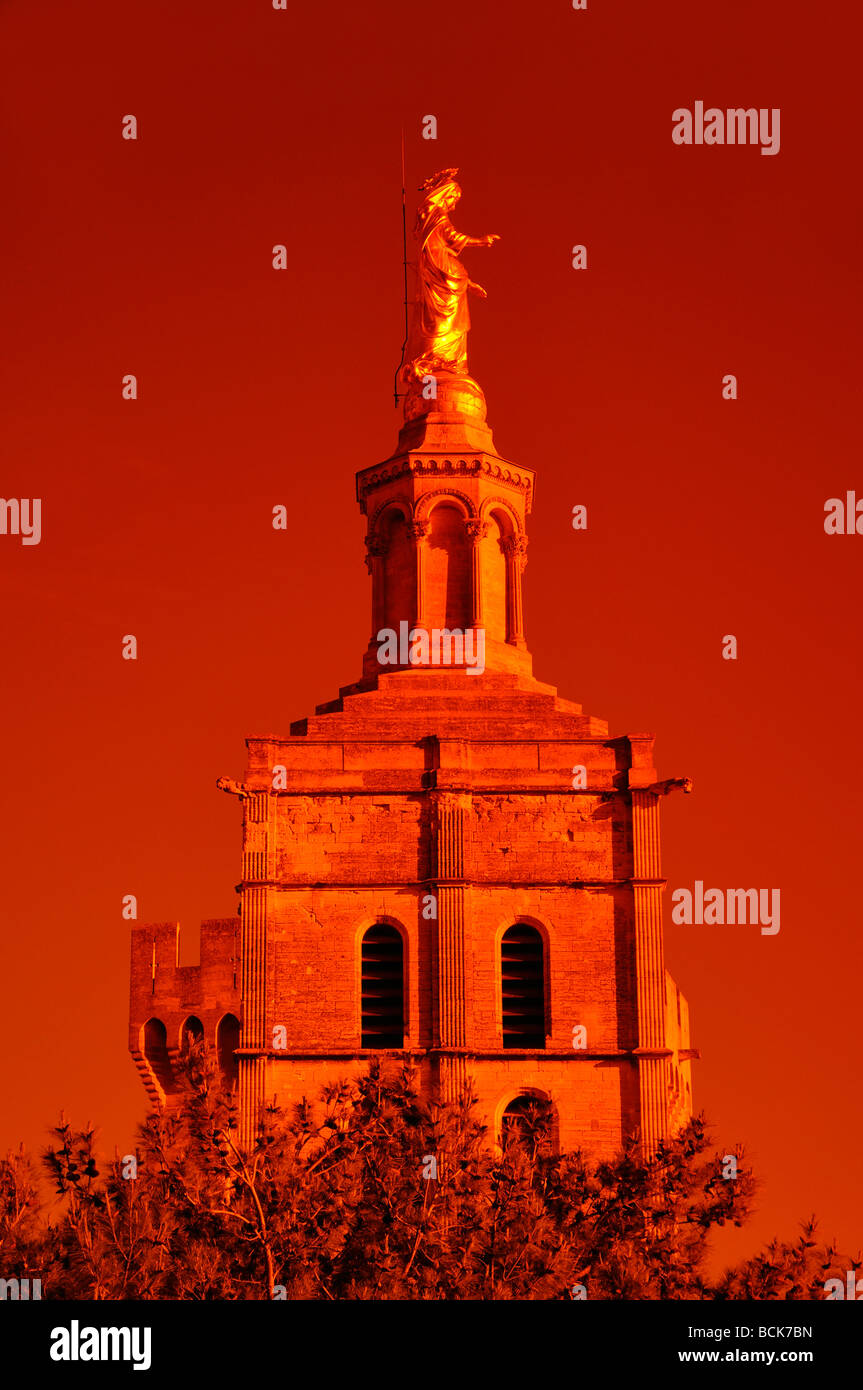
[482, 240]
[460, 240]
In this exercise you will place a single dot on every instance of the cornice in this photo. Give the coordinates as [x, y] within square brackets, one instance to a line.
[440, 465]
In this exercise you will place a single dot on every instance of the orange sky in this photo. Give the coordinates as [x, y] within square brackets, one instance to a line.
[705, 516]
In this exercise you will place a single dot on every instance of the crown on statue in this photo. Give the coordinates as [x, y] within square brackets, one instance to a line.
[438, 180]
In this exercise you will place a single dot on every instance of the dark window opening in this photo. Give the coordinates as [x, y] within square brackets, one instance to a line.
[156, 1053]
[227, 1040]
[528, 1121]
[523, 987]
[192, 1032]
[382, 988]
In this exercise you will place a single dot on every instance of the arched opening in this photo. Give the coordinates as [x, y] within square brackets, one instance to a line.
[447, 596]
[528, 1121]
[493, 568]
[227, 1041]
[156, 1053]
[382, 989]
[522, 987]
[399, 572]
[191, 1032]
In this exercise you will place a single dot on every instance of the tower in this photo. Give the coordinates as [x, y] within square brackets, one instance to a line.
[448, 864]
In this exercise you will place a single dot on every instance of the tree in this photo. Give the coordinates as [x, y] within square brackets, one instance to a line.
[378, 1194]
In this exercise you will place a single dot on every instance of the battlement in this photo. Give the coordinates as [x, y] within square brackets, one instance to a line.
[170, 1002]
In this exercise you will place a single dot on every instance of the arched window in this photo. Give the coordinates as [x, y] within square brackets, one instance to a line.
[493, 567]
[446, 600]
[528, 1120]
[382, 999]
[155, 1038]
[227, 1040]
[399, 575]
[191, 1032]
[156, 1053]
[522, 987]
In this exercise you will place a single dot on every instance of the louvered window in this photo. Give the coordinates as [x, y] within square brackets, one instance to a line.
[523, 987]
[382, 988]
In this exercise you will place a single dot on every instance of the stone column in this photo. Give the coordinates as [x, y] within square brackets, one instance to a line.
[515, 550]
[375, 550]
[652, 1050]
[451, 819]
[253, 1038]
[418, 531]
[476, 531]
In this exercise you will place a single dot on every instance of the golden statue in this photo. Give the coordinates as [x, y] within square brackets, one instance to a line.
[438, 337]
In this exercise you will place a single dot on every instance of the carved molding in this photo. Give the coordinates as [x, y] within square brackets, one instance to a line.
[483, 465]
[375, 546]
[394, 504]
[424, 503]
[488, 505]
[516, 547]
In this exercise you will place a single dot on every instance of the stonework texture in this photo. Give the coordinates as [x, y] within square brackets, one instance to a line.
[445, 804]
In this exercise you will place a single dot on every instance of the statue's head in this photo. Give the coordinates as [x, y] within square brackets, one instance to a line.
[442, 190]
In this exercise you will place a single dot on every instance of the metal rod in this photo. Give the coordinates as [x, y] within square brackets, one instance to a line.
[405, 266]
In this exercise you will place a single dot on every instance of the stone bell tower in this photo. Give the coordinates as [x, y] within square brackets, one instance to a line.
[447, 540]
[449, 864]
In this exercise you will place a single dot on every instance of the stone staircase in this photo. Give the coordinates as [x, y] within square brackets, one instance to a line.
[415, 704]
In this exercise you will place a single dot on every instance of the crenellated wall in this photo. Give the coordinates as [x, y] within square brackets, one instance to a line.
[171, 994]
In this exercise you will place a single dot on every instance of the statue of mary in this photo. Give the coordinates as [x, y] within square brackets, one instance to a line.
[438, 337]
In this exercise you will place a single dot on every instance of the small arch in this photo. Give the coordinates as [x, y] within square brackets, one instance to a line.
[380, 518]
[155, 1037]
[227, 1042]
[444, 496]
[192, 1031]
[529, 1119]
[382, 984]
[155, 1049]
[503, 513]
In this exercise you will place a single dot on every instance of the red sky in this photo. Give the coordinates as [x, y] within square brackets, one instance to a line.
[259, 127]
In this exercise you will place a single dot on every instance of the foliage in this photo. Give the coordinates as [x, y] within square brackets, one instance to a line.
[337, 1202]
